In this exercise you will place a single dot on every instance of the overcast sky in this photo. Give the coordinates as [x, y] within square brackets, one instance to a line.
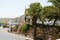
[15, 8]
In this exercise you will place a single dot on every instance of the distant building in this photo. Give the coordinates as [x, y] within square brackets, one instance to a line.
[16, 21]
[12, 23]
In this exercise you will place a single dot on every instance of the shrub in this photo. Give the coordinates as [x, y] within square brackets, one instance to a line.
[23, 27]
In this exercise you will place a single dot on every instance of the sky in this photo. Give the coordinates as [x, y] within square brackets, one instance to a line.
[16, 8]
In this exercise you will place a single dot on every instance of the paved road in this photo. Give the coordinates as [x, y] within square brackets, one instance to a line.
[4, 35]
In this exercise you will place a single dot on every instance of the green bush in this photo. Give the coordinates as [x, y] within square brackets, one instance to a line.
[23, 27]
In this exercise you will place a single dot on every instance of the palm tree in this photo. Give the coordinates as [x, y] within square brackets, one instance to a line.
[35, 12]
[50, 12]
[56, 3]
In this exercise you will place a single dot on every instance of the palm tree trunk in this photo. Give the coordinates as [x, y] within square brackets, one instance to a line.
[34, 19]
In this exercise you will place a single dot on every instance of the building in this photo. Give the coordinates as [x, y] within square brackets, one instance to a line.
[12, 23]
